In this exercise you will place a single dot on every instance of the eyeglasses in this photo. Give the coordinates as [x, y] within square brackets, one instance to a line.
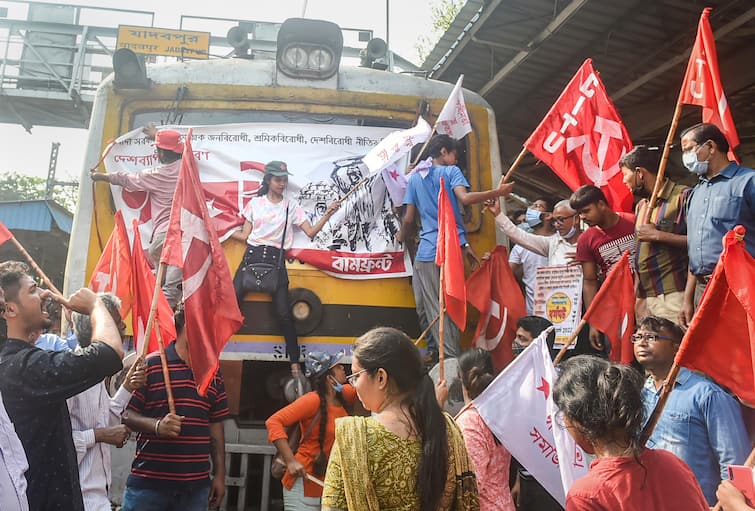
[352, 378]
[650, 338]
[562, 219]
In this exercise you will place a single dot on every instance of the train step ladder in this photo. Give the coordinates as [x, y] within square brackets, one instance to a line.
[240, 481]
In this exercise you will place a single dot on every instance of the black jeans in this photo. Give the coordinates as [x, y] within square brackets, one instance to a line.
[280, 299]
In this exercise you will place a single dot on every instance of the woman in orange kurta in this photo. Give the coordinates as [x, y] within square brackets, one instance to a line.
[322, 406]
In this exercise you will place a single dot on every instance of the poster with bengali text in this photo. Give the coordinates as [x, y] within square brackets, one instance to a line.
[558, 297]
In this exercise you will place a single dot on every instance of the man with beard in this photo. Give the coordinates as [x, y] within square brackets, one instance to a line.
[661, 257]
[12, 457]
[36, 383]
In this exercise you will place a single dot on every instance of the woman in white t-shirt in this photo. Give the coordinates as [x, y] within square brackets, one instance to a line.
[265, 217]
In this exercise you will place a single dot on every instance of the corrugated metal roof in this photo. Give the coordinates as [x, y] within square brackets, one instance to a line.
[521, 53]
[35, 215]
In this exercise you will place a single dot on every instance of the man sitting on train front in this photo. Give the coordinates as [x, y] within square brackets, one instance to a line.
[160, 183]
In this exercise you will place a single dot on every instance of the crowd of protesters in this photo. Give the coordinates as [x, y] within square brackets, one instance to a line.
[403, 452]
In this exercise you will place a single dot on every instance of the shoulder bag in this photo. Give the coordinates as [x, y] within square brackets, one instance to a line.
[260, 276]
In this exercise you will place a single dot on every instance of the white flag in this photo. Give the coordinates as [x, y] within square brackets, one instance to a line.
[453, 120]
[396, 145]
[518, 408]
[395, 182]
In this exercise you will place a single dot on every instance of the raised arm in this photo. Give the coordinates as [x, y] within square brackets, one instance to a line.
[312, 230]
[538, 244]
[468, 198]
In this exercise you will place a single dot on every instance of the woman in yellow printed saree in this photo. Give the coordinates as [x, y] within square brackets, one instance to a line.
[409, 456]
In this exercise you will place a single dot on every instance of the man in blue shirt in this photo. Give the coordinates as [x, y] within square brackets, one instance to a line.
[422, 196]
[723, 198]
[700, 423]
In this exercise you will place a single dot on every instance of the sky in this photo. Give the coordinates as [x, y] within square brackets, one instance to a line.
[30, 154]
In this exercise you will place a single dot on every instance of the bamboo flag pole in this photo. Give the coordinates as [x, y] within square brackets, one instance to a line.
[664, 160]
[515, 164]
[569, 342]
[424, 146]
[442, 302]
[427, 330]
[668, 386]
[166, 371]
[152, 310]
[35, 267]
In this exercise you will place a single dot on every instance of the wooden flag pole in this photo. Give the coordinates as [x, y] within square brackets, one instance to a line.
[427, 330]
[354, 188]
[152, 309]
[35, 267]
[441, 328]
[424, 146]
[166, 371]
[664, 160]
[668, 386]
[568, 343]
[515, 164]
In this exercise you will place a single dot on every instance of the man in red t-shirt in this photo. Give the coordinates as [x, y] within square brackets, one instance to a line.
[600, 247]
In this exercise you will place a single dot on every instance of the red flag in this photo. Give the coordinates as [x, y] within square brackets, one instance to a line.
[448, 257]
[582, 138]
[495, 292]
[212, 313]
[5, 234]
[112, 274]
[702, 83]
[143, 283]
[612, 310]
[726, 313]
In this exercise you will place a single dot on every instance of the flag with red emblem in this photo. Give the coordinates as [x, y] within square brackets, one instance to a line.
[112, 274]
[448, 257]
[612, 310]
[702, 83]
[191, 243]
[494, 291]
[726, 311]
[582, 138]
[143, 283]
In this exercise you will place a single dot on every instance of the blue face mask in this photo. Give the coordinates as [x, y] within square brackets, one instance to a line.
[689, 158]
[338, 387]
[533, 217]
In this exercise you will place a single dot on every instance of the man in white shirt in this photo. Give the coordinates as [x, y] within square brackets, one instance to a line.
[96, 418]
[559, 249]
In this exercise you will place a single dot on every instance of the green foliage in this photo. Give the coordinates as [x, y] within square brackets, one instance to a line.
[442, 14]
[15, 186]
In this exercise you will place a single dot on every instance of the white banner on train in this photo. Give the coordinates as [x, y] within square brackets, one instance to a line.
[358, 242]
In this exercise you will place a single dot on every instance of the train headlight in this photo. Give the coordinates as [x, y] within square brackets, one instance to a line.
[309, 48]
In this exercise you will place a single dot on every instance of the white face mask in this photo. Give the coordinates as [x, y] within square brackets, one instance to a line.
[689, 158]
[571, 232]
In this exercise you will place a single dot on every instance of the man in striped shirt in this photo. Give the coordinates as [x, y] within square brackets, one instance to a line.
[96, 417]
[171, 469]
[661, 257]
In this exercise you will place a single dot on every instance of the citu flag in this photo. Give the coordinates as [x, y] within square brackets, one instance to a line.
[720, 340]
[702, 83]
[5, 233]
[582, 138]
[448, 257]
[612, 310]
[143, 283]
[494, 291]
[112, 273]
[210, 307]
